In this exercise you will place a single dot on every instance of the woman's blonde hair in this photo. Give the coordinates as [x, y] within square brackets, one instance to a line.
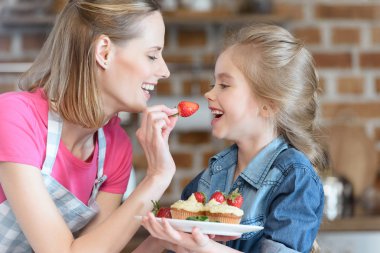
[282, 72]
[66, 66]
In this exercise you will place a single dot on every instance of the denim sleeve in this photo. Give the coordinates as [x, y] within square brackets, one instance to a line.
[295, 213]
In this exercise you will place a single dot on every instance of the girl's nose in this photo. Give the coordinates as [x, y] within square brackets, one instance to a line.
[208, 95]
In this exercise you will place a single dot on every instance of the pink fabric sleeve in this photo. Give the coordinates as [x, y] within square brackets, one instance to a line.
[118, 162]
[19, 142]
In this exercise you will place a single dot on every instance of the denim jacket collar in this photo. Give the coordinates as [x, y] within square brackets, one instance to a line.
[259, 166]
[223, 160]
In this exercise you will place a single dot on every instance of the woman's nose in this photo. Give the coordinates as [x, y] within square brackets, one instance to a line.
[164, 70]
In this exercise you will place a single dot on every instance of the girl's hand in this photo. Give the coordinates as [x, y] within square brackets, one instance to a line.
[153, 136]
[194, 242]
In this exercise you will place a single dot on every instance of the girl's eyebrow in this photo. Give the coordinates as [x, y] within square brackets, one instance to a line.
[224, 75]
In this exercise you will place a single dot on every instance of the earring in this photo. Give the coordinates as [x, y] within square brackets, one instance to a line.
[105, 63]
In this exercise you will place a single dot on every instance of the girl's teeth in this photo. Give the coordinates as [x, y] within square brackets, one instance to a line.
[216, 112]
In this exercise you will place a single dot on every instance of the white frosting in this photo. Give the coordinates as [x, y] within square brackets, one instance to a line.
[211, 203]
[191, 205]
[223, 208]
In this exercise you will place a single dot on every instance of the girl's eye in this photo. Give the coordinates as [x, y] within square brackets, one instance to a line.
[223, 86]
[153, 58]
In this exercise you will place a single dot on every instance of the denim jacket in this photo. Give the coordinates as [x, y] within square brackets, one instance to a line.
[281, 191]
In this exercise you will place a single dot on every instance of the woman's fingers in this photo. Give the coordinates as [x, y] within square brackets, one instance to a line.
[200, 239]
[153, 136]
[170, 231]
[183, 241]
[156, 125]
[150, 224]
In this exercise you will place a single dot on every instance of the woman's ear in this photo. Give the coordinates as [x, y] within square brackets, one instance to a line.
[102, 51]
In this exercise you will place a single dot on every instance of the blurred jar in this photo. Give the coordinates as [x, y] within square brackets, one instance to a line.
[169, 5]
[198, 5]
[339, 199]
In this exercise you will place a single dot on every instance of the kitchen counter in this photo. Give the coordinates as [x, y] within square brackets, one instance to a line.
[356, 234]
[355, 223]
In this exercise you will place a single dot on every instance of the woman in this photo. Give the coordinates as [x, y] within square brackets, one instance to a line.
[64, 159]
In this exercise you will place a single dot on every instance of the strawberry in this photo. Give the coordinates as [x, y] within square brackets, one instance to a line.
[200, 196]
[164, 212]
[186, 108]
[218, 197]
[161, 212]
[235, 199]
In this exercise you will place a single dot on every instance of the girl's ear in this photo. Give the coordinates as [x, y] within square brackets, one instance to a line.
[268, 109]
[102, 51]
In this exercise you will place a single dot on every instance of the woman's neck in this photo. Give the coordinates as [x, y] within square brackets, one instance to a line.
[78, 140]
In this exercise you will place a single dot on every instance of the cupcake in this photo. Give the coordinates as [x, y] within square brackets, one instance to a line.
[224, 213]
[225, 209]
[183, 209]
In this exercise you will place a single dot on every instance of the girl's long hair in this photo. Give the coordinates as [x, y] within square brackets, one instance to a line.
[282, 72]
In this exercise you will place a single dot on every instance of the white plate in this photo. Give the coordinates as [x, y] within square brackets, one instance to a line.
[214, 228]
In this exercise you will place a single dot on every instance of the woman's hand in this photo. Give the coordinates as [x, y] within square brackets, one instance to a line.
[182, 242]
[153, 136]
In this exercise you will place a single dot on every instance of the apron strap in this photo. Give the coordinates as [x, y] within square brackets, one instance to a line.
[53, 139]
[102, 152]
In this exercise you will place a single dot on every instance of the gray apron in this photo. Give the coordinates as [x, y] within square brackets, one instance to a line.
[75, 213]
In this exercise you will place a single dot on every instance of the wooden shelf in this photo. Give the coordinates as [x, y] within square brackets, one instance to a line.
[179, 17]
[27, 21]
[36, 13]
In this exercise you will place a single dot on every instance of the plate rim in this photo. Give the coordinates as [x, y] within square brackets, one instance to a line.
[202, 224]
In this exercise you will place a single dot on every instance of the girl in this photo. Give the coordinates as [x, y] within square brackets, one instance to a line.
[64, 159]
[265, 100]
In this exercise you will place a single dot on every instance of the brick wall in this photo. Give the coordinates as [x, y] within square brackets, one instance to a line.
[343, 36]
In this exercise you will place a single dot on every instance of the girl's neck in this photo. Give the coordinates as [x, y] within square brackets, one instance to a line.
[247, 150]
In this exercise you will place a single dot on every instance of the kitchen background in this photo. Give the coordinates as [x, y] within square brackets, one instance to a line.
[344, 38]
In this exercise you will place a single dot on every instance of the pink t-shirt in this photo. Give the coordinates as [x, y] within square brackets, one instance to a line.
[23, 133]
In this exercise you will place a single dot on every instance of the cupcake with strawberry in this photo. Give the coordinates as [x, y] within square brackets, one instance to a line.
[225, 209]
[193, 206]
